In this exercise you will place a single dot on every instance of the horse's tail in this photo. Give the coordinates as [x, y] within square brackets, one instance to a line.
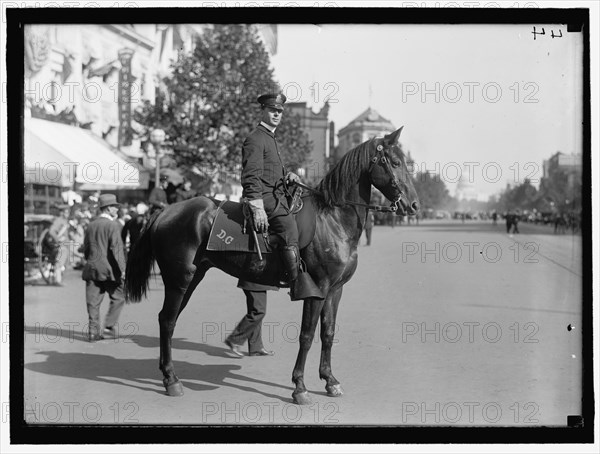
[139, 263]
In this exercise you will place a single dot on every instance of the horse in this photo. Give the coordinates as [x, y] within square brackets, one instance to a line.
[176, 238]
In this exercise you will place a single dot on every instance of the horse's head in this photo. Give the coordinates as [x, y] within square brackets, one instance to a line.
[390, 175]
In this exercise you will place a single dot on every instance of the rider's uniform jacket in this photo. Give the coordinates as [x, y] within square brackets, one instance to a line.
[262, 168]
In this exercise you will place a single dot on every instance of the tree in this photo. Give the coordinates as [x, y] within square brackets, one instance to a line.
[524, 196]
[432, 191]
[209, 105]
[561, 186]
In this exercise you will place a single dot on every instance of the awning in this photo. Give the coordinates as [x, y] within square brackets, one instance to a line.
[59, 154]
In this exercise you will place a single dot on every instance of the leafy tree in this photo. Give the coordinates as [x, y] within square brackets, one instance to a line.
[561, 187]
[524, 196]
[209, 103]
[432, 191]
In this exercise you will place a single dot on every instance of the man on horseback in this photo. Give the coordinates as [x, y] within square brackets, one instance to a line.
[264, 180]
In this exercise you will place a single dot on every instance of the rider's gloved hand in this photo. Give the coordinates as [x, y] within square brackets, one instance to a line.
[259, 215]
[291, 177]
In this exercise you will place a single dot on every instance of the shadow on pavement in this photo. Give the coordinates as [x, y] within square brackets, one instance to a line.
[114, 371]
[178, 344]
[111, 370]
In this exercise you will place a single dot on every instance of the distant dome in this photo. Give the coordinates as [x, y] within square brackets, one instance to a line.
[465, 188]
[373, 116]
[369, 119]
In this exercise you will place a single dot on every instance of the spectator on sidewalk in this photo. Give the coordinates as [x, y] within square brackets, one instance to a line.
[59, 234]
[185, 191]
[158, 196]
[132, 230]
[104, 270]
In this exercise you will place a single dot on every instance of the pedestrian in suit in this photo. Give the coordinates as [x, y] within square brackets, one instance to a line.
[185, 192]
[104, 270]
[158, 196]
[515, 221]
[509, 221]
[250, 326]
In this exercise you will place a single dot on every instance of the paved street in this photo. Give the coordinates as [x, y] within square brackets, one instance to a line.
[443, 323]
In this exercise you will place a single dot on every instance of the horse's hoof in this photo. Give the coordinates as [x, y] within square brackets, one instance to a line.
[302, 398]
[174, 389]
[334, 390]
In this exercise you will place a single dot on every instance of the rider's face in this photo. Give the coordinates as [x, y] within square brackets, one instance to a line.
[272, 116]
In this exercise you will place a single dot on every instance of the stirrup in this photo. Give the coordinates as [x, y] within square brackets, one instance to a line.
[304, 287]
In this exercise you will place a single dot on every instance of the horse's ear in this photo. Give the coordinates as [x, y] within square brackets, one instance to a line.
[392, 139]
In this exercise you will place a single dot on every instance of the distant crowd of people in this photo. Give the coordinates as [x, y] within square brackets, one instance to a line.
[67, 232]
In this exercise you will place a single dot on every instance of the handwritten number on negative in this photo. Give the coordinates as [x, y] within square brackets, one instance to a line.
[543, 32]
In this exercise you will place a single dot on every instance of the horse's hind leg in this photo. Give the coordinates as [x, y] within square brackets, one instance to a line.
[177, 295]
[310, 317]
[328, 317]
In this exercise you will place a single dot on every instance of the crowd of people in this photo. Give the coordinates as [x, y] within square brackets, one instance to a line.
[95, 235]
[67, 231]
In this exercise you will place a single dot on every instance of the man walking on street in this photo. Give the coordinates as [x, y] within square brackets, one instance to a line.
[250, 326]
[104, 270]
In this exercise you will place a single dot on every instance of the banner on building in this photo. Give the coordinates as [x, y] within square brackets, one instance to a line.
[125, 81]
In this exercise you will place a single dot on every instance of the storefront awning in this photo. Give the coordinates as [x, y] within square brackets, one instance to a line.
[59, 154]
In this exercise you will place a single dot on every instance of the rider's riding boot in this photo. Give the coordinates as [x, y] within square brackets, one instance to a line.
[291, 261]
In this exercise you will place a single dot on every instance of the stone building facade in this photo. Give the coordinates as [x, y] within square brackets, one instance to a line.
[316, 126]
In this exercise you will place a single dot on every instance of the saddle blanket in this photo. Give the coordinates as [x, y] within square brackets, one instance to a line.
[226, 233]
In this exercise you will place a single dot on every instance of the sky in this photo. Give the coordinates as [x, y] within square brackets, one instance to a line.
[485, 98]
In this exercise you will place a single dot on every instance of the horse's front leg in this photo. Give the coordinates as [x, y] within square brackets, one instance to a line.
[328, 317]
[310, 316]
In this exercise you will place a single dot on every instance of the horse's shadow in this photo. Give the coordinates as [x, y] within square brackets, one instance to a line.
[132, 372]
[178, 343]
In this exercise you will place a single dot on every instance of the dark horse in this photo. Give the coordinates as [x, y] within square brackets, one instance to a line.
[176, 238]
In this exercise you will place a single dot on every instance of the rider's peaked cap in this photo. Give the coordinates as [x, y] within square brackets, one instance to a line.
[276, 100]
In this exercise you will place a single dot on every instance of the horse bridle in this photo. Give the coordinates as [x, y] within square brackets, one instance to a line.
[395, 183]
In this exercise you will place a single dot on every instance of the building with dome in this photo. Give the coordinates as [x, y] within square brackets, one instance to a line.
[465, 188]
[367, 125]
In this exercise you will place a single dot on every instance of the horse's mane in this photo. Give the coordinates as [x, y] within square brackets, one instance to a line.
[344, 175]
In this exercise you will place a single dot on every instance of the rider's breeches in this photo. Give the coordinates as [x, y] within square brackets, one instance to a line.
[280, 222]
[285, 228]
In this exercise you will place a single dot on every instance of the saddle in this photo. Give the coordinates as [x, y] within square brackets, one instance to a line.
[231, 233]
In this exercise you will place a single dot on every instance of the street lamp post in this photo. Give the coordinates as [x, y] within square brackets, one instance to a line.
[157, 138]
